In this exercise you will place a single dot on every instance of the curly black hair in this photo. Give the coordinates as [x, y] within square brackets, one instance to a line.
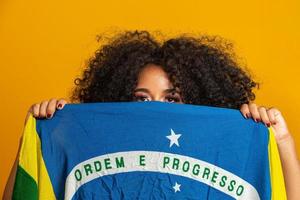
[204, 69]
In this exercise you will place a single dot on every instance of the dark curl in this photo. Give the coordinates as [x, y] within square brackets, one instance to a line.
[203, 68]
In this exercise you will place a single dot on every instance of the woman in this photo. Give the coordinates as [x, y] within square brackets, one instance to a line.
[134, 66]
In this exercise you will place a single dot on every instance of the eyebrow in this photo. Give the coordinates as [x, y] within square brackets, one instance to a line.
[170, 90]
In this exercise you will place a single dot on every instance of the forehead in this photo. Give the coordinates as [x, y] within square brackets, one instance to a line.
[153, 76]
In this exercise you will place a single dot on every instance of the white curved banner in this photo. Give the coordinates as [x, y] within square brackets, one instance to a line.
[155, 161]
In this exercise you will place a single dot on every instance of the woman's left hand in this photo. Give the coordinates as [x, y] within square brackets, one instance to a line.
[269, 116]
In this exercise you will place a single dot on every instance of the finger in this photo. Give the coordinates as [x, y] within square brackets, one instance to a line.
[36, 110]
[264, 116]
[61, 103]
[43, 107]
[245, 111]
[254, 112]
[272, 112]
[51, 107]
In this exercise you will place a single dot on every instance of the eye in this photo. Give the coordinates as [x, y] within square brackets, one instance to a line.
[173, 99]
[141, 98]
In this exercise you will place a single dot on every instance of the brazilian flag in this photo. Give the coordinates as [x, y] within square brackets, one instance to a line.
[148, 150]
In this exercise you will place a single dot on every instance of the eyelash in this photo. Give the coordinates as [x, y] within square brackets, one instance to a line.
[174, 98]
[140, 97]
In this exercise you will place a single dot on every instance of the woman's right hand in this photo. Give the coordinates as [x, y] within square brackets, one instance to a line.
[43, 109]
[46, 109]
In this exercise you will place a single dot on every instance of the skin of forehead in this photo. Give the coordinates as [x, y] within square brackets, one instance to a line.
[155, 80]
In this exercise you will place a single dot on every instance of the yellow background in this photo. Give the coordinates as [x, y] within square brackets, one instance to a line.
[45, 44]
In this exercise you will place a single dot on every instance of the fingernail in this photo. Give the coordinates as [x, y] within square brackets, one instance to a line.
[48, 115]
[59, 106]
[248, 115]
[268, 124]
[255, 119]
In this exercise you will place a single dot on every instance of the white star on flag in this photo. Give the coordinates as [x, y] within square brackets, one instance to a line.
[176, 187]
[173, 138]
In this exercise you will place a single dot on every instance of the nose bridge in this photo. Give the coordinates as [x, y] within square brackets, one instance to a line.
[157, 97]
